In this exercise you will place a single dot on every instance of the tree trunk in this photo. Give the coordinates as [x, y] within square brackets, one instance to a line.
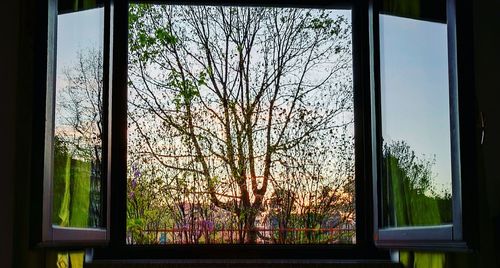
[251, 229]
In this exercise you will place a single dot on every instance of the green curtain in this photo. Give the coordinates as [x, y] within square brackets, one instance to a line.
[71, 199]
[61, 188]
[70, 260]
[422, 259]
[80, 192]
[403, 8]
[434, 10]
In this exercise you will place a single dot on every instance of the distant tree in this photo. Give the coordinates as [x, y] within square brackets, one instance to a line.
[411, 194]
[79, 119]
[79, 100]
[317, 188]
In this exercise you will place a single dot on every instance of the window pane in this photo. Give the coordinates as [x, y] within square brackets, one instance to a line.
[240, 125]
[77, 177]
[416, 171]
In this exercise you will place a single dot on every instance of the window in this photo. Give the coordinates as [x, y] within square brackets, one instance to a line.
[76, 134]
[419, 127]
[240, 126]
[416, 171]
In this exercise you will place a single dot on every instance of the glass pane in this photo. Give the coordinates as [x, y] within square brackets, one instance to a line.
[240, 126]
[416, 171]
[77, 177]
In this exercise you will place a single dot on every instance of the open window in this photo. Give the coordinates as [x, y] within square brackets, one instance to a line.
[130, 94]
[76, 132]
[179, 59]
[421, 127]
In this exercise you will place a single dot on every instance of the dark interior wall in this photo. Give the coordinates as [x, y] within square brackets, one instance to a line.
[9, 27]
[20, 19]
[487, 61]
[487, 74]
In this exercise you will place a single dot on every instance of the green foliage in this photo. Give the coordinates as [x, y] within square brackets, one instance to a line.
[147, 41]
[411, 205]
[213, 181]
[188, 89]
[135, 227]
[320, 23]
[165, 37]
[410, 193]
[328, 26]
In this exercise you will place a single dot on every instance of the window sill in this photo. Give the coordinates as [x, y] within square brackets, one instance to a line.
[261, 263]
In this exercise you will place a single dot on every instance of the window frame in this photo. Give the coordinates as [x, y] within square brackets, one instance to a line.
[446, 237]
[369, 238]
[56, 236]
[364, 248]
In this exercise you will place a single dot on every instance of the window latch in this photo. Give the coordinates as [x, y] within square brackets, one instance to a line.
[483, 124]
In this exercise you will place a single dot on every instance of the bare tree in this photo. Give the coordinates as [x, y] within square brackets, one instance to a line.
[227, 98]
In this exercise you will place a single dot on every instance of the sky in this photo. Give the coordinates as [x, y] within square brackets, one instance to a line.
[415, 91]
[77, 31]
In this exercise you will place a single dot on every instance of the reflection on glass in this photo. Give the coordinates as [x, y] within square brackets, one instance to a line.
[240, 126]
[415, 122]
[77, 177]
